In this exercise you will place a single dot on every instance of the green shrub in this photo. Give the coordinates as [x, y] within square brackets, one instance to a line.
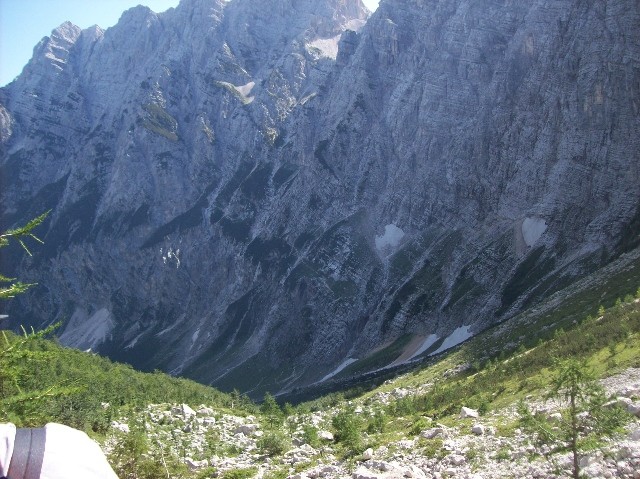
[211, 443]
[420, 425]
[376, 423]
[471, 454]
[503, 454]
[348, 427]
[310, 435]
[277, 474]
[506, 429]
[206, 473]
[273, 443]
[240, 473]
[232, 450]
[432, 448]
[133, 458]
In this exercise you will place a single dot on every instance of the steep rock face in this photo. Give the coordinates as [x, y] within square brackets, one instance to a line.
[252, 193]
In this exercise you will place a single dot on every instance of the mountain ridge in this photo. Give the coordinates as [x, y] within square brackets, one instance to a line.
[270, 202]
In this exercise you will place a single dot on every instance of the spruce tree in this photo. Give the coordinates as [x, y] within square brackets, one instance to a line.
[586, 417]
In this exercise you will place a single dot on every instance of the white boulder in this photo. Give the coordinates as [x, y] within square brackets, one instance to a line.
[325, 435]
[466, 412]
[119, 426]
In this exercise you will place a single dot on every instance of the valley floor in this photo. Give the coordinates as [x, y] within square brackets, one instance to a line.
[217, 444]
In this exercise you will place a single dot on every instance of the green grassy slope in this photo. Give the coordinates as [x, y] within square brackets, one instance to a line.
[41, 381]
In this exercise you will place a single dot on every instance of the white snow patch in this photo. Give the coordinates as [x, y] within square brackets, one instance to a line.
[458, 336]
[391, 237]
[245, 90]
[532, 229]
[84, 332]
[240, 92]
[338, 369]
[428, 342]
[327, 46]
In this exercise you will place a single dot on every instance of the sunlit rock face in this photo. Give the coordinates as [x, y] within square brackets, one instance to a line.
[257, 194]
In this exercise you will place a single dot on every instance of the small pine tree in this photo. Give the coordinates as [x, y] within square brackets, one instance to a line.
[136, 456]
[348, 428]
[585, 416]
[310, 435]
[376, 423]
[273, 443]
[272, 411]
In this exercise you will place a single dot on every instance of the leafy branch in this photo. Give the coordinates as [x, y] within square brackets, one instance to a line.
[19, 234]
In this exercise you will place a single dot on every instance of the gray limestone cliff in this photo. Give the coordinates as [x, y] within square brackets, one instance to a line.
[258, 194]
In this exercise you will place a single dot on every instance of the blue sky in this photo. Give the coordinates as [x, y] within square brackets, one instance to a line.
[23, 23]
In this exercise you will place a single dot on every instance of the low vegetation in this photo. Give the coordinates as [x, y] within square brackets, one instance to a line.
[41, 381]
